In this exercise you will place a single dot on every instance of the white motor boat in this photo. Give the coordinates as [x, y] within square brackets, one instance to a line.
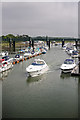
[75, 54]
[70, 51]
[27, 54]
[38, 67]
[68, 66]
[5, 65]
[4, 54]
[46, 48]
[8, 59]
[18, 57]
[64, 47]
[43, 51]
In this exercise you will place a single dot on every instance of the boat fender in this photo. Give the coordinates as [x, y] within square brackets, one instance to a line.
[17, 61]
[22, 59]
[25, 58]
[13, 63]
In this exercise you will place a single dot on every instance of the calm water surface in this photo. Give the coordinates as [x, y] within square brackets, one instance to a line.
[50, 95]
[0, 99]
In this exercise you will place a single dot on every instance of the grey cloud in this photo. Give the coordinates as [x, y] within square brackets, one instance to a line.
[52, 19]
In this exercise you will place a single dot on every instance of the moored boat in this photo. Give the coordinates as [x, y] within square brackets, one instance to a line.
[68, 66]
[4, 54]
[8, 59]
[5, 65]
[27, 54]
[18, 57]
[43, 51]
[75, 54]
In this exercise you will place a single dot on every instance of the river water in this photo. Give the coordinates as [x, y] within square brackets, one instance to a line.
[50, 95]
[0, 100]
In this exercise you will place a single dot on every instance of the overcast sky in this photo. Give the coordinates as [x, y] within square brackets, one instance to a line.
[40, 18]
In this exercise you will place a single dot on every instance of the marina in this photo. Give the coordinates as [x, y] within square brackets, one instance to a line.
[49, 95]
[39, 60]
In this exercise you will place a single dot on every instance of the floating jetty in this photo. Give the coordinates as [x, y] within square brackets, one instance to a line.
[75, 71]
[25, 58]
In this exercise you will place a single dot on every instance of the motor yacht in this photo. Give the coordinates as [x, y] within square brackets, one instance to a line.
[68, 65]
[27, 54]
[18, 57]
[75, 54]
[8, 59]
[38, 67]
[5, 65]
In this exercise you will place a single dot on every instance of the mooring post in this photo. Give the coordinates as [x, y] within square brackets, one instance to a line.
[49, 44]
[62, 42]
[76, 43]
[29, 41]
[9, 45]
[46, 40]
[13, 45]
[33, 44]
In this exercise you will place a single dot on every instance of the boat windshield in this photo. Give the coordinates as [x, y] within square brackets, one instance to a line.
[68, 61]
[38, 63]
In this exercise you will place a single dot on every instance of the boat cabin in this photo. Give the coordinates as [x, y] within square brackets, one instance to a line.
[5, 58]
[69, 61]
[38, 62]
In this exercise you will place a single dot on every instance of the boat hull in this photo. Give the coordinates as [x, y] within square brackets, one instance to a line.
[38, 72]
[66, 70]
[3, 69]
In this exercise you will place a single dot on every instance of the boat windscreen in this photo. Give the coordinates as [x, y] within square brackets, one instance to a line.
[38, 63]
[68, 61]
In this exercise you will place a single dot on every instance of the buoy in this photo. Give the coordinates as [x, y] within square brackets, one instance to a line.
[17, 61]
[33, 55]
[25, 58]
[22, 59]
[13, 63]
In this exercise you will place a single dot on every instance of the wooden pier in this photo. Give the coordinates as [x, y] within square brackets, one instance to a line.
[76, 70]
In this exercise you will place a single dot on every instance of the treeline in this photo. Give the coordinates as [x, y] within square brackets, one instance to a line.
[16, 38]
[24, 38]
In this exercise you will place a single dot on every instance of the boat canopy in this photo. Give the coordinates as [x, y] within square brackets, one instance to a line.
[5, 57]
[75, 52]
[38, 63]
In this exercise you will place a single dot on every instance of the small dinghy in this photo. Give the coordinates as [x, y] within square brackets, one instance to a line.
[38, 67]
[68, 66]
